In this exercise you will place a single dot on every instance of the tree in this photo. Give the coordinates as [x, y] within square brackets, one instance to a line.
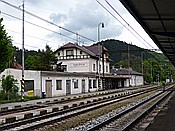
[9, 89]
[6, 48]
[48, 59]
[32, 62]
[44, 61]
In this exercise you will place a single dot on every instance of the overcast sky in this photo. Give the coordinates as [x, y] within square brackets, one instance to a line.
[79, 16]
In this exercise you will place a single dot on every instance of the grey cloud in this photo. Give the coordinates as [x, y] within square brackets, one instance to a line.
[84, 20]
[34, 2]
[57, 17]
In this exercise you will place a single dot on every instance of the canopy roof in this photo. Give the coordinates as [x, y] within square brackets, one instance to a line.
[157, 17]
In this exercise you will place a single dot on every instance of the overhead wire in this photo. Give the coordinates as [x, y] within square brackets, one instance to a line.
[127, 23]
[32, 36]
[40, 27]
[18, 8]
[120, 22]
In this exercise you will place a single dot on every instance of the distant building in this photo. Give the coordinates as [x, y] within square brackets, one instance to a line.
[135, 78]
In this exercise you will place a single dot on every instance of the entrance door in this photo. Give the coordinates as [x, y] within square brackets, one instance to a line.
[48, 88]
[68, 87]
[83, 86]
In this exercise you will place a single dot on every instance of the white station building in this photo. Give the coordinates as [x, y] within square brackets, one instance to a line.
[78, 70]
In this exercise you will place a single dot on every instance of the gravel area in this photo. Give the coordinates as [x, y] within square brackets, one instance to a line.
[105, 117]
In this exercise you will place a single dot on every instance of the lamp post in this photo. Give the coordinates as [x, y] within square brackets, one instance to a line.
[99, 51]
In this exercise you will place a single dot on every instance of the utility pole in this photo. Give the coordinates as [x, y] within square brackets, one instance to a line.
[142, 59]
[129, 64]
[22, 81]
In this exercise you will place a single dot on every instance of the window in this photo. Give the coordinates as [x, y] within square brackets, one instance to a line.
[90, 84]
[75, 84]
[100, 68]
[58, 53]
[58, 84]
[106, 68]
[94, 84]
[93, 67]
[29, 85]
[69, 52]
[64, 68]
[81, 52]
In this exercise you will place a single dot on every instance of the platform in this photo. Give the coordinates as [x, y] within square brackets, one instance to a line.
[165, 120]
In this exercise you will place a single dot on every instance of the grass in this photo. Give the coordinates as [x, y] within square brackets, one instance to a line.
[18, 99]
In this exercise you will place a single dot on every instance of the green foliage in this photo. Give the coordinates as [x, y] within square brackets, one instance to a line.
[157, 71]
[32, 62]
[27, 53]
[6, 48]
[118, 51]
[43, 61]
[9, 89]
[157, 68]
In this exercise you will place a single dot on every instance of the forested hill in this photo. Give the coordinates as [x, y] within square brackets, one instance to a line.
[118, 50]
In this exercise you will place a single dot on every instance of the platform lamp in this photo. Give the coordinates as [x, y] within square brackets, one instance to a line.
[99, 52]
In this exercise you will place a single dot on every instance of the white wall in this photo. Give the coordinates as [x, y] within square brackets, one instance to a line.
[136, 80]
[64, 78]
[82, 64]
[28, 75]
[54, 91]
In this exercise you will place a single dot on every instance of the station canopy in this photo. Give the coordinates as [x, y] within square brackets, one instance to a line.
[157, 17]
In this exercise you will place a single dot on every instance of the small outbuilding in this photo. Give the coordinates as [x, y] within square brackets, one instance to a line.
[134, 78]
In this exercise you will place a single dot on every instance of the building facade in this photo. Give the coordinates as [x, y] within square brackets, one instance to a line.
[53, 83]
[89, 59]
[134, 78]
[79, 69]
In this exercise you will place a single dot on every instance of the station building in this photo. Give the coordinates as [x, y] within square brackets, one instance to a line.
[79, 69]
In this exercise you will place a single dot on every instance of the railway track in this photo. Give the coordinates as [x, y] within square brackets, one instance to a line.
[39, 121]
[38, 105]
[124, 119]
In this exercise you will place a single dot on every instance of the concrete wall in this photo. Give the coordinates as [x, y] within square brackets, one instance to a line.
[136, 80]
[56, 92]
[28, 75]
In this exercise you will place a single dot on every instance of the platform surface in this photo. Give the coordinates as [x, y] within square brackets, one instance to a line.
[165, 120]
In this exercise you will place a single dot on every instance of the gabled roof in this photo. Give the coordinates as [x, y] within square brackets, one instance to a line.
[95, 48]
[92, 50]
[124, 71]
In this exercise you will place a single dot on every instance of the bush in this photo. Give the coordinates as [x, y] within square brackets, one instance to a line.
[9, 89]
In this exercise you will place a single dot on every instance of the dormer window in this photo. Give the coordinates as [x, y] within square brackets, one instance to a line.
[69, 52]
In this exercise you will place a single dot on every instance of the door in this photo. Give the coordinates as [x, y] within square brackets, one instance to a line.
[83, 86]
[68, 87]
[48, 88]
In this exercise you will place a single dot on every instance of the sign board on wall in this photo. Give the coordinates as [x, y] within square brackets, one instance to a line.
[79, 65]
